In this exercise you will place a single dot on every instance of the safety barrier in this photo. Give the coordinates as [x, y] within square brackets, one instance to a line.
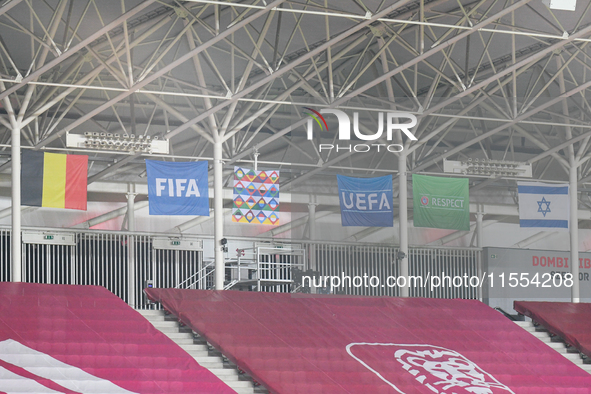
[102, 258]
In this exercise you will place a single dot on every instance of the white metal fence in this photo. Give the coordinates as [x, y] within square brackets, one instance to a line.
[102, 258]
[380, 261]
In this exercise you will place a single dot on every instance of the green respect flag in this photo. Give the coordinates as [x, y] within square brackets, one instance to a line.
[441, 202]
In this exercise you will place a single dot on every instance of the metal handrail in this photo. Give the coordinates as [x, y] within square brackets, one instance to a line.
[198, 273]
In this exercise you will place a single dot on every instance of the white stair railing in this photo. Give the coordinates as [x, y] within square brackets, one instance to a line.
[201, 275]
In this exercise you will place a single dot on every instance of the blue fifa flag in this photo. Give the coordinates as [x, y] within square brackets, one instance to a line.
[544, 206]
[366, 201]
[178, 188]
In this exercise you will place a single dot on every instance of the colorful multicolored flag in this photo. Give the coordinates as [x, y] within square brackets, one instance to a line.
[54, 180]
[256, 196]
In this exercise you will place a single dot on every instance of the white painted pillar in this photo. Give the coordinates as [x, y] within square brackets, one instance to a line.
[218, 214]
[403, 221]
[312, 230]
[574, 232]
[16, 204]
[131, 207]
[479, 228]
[480, 243]
[131, 244]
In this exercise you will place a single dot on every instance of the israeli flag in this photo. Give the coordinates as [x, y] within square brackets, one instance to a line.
[544, 206]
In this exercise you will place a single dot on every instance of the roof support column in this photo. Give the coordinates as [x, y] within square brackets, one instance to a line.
[15, 151]
[479, 243]
[574, 232]
[573, 191]
[218, 213]
[312, 233]
[131, 245]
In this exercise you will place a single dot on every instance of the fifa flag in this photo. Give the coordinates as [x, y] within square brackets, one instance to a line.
[544, 206]
[256, 196]
[366, 202]
[441, 202]
[178, 188]
[54, 180]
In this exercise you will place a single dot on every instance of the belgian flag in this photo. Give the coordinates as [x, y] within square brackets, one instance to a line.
[54, 180]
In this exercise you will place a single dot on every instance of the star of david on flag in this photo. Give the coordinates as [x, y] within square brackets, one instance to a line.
[544, 210]
[544, 206]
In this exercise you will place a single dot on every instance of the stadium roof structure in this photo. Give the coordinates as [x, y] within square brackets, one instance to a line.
[486, 79]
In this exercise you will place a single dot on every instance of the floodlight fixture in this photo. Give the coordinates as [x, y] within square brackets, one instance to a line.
[116, 142]
[564, 5]
[489, 168]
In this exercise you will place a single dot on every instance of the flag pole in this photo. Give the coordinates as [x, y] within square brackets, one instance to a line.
[15, 151]
[218, 214]
[131, 243]
[403, 222]
[574, 231]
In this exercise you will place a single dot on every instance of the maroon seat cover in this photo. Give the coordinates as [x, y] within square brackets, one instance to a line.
[336, 344]
[572, 322]
[84, 339]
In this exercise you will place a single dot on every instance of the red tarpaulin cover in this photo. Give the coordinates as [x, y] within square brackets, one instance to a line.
[334, 344]
[572, 322]
[84, 339]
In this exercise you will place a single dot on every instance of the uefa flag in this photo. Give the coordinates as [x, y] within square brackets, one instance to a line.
[366, 201]
[544, 206]
[54, 180]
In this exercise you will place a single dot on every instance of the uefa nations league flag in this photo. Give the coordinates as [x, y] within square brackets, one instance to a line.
[178, 188]
[366, 201]
[543, 206]
[256, 196]
[441, 202]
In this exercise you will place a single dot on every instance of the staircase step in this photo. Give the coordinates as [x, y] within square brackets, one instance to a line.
[243, 390]
[574, 357]
[541, 335]
[209, 359]
[179, 335]
[164, 323]
[225, 371]
[194, 347]
[151, 312]
[212, 365]
[197, 353]
[524, 323]
[158, 318]
[561, 350]
[169, 330]
[241, 384]
[198, 349]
